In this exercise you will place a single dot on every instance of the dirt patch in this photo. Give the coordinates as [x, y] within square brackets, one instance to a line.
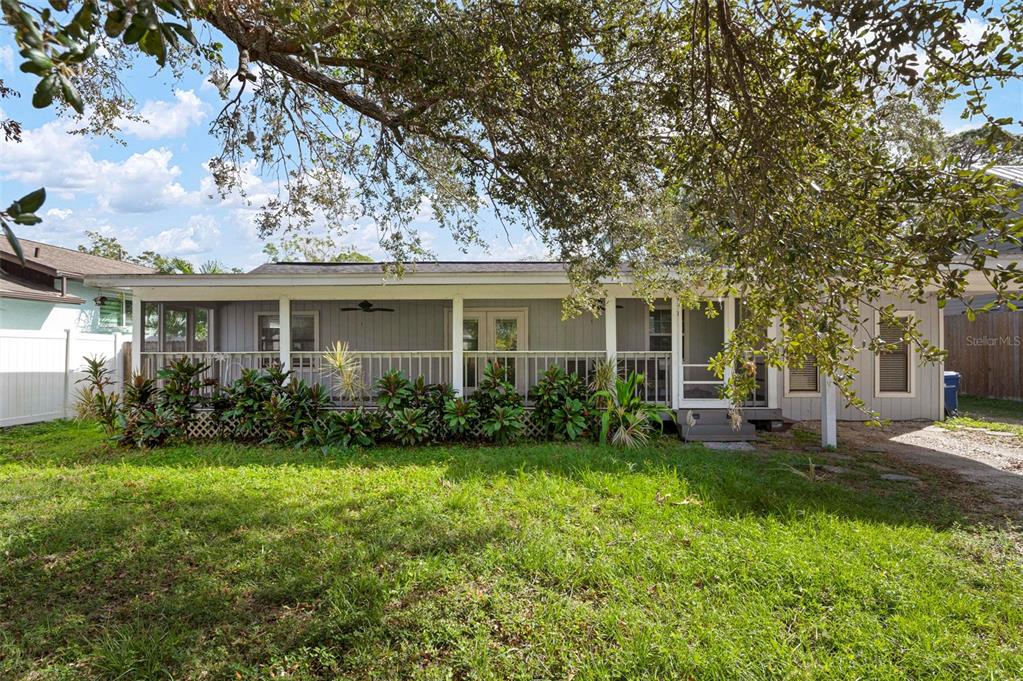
[986, 458]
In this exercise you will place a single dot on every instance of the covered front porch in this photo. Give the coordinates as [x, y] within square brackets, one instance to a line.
[444, 340]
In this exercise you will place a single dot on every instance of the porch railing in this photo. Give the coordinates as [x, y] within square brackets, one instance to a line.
[433, 365]
[526, 368]
[224, 367]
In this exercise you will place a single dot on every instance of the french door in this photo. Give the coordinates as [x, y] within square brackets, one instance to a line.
[493, 332]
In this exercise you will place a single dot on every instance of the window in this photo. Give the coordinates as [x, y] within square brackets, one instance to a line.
[804, 379]
[660, 330]
[303, 332]
[111, 312]
[893, 368]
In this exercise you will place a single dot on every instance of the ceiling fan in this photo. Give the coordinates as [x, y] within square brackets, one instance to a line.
[366, 306]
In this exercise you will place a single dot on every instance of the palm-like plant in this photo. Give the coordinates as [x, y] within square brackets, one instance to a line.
[627, 420]
[346, 367]
[603, 378]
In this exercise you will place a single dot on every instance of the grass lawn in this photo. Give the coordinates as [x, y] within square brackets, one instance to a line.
[533, 561]
[988, 414]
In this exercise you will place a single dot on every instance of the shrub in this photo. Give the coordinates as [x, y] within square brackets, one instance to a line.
[293, 409]
[569, 420]
[431, 398]
[460, 417]
[95, 401]
[394, 391]
[140, 423]
[627, 420]
[181, 394]
[550, 394]
[410, 426]
[504, 424]
[347, 428]
[242, 408]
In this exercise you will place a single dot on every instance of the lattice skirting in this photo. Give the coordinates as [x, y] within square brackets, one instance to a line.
[204, 427]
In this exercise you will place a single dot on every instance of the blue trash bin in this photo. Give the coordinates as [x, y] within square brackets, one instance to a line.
[951, 393]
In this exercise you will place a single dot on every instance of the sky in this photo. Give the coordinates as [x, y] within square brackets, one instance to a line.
[152, 191]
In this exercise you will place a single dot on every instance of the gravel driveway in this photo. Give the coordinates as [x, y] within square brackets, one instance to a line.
[989, 458]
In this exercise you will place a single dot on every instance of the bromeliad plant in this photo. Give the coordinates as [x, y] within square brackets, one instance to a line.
[627, 420]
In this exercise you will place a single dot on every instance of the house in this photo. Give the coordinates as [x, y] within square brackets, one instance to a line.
[446, 320]
[48, 293]
[50, 320]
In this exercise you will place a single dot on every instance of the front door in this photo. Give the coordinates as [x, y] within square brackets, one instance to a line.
[492, 333]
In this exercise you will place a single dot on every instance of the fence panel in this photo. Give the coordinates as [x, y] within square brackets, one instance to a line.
[39, 372]
[987, 352]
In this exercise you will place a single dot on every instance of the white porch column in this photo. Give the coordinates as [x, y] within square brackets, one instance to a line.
[457, 347]
[284, 315]
[676, 354]
[829, 412]
[729, 305]
[772, 372]
[138, 335]
[610, 327]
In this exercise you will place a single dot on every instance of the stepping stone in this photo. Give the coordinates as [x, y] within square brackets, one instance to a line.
[730, 446]
[837, 470]
[898, 477]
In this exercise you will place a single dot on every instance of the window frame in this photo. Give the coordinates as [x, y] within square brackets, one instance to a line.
[660, 305]
[789, 392]
[910, 360]
[315, 314]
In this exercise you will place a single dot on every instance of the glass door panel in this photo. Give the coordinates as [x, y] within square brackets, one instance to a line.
[175, 330]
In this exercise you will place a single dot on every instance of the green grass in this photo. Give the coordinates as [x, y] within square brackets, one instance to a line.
[534, 561]
[1004, 416]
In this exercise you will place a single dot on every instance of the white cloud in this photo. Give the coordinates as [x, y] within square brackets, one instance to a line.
[167, 119]
[200, 235]
[50, 156]
[6, 58]
[526, 248]
[58, 213]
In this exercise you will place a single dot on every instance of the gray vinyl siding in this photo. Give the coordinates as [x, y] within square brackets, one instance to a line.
[415, 324]
[927, 400]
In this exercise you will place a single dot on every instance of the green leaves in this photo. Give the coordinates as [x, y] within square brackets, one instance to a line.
[22, 212]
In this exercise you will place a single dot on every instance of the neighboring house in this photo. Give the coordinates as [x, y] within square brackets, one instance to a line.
[446, 320]
[48, 292]
[49, 320]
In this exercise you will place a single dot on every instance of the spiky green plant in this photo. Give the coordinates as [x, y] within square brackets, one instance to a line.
[346, 368]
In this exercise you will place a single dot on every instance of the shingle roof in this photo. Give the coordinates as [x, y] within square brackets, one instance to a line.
[1013, 174]
[27, 290]
[448, 267]
[72, 263]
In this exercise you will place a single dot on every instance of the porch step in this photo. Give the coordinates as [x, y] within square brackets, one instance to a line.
[713, 425]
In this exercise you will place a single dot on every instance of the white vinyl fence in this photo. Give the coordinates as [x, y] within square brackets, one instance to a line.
[39, 371]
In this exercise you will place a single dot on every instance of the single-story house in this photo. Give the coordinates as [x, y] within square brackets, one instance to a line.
[446, 320]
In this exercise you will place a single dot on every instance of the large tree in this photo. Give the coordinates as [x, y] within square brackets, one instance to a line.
[717, 146]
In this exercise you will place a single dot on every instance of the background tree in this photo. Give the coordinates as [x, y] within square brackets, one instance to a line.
[109, 247]
[313, 249]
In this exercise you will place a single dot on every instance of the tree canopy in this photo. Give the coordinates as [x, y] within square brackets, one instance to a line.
[109, 247]
[718, 147]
